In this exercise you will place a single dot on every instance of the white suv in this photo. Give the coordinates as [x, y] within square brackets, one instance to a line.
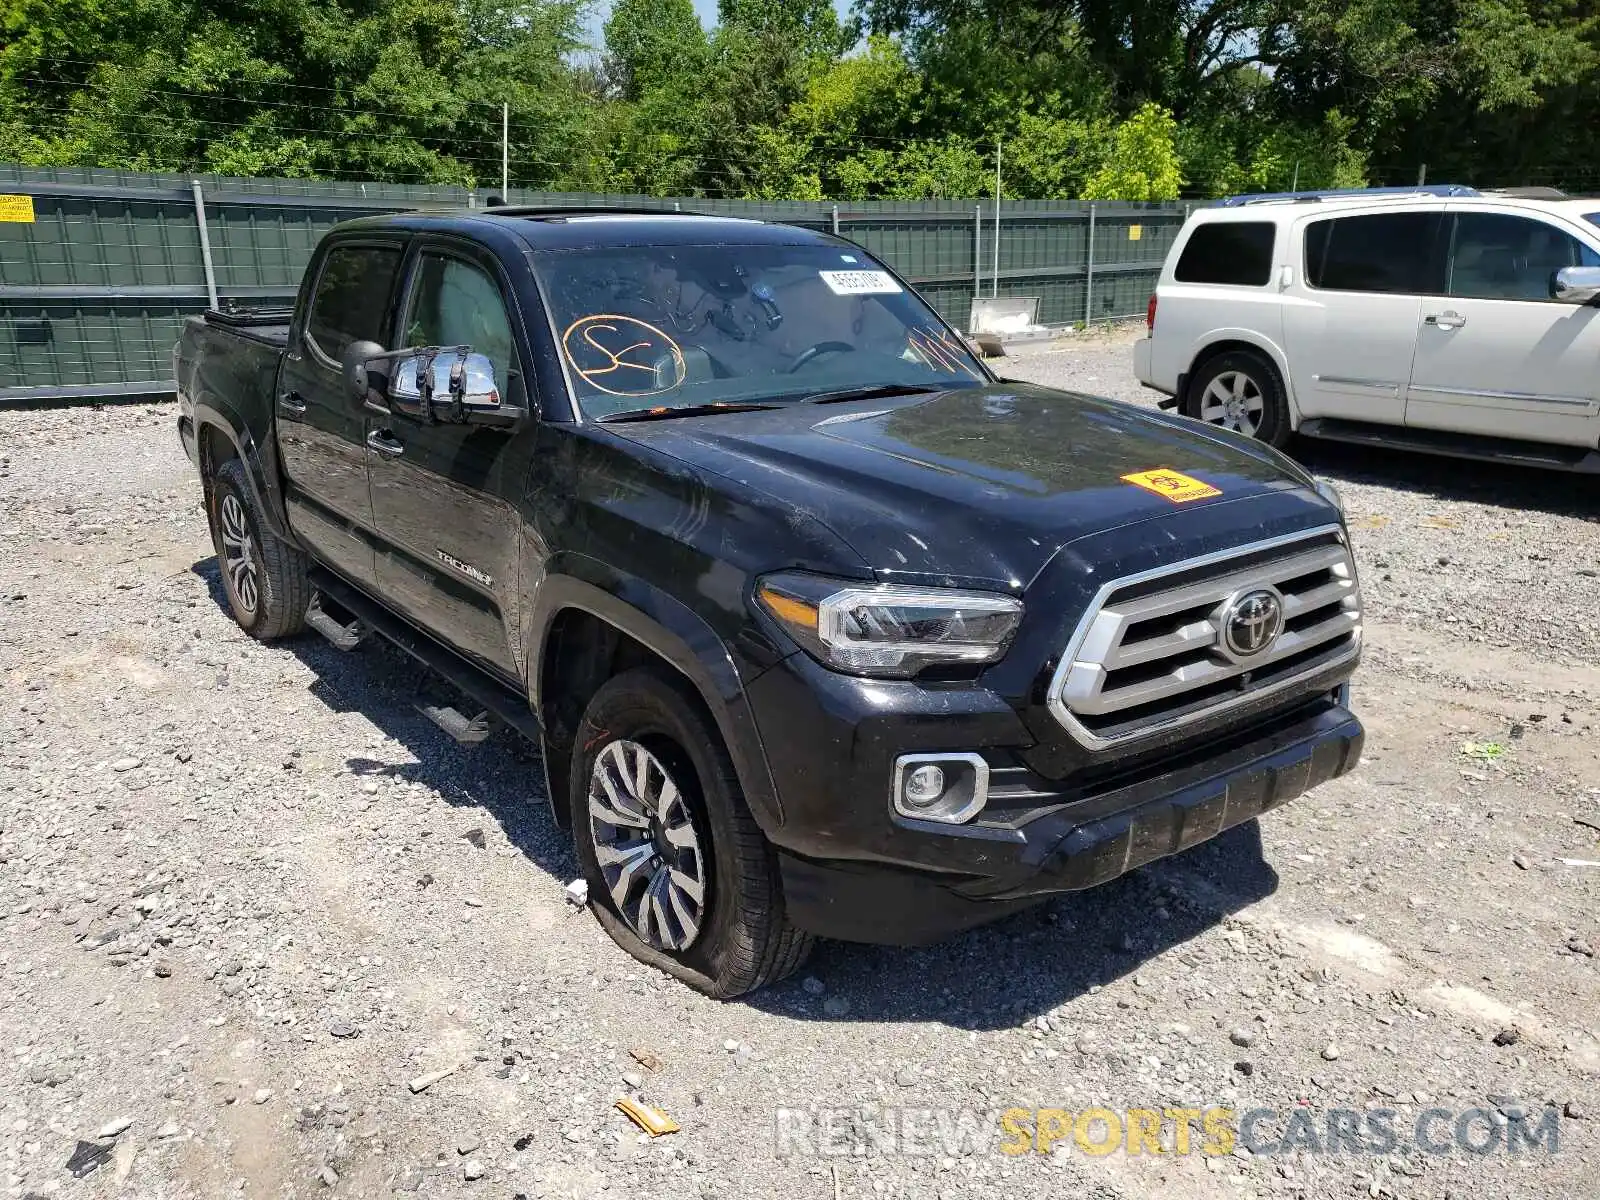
[1443, 320]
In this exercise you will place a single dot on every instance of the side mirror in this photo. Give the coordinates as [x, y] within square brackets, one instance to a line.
[364, 374]
[453, 385]
[1576, 285]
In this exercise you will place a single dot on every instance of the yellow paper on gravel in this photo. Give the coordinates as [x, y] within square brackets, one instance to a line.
[652, 1120]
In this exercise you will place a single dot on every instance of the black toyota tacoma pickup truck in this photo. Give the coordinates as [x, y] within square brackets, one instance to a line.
[821, 628]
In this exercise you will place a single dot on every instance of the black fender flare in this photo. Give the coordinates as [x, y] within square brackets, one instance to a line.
[261, 463]
[682, 638]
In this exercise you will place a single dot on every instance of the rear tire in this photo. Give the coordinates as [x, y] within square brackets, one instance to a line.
[264, 578]
[690, 884]
[1242, 391]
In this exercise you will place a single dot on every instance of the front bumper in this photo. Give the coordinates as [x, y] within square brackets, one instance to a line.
[854, 870]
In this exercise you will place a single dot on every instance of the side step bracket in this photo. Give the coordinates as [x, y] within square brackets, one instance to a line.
[344, 636]
[467, 731]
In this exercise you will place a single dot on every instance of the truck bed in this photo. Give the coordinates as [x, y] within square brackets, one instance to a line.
[228, 362]
[269, 326]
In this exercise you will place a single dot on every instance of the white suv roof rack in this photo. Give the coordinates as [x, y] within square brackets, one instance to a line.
[1431, 189]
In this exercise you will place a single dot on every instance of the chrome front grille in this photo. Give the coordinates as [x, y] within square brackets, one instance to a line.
[1151, 655]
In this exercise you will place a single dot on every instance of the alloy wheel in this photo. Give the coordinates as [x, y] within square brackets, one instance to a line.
[647, 847]
[1233, 400]
[238, 554]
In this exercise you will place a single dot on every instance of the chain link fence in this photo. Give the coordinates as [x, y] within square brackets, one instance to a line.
[98, 269]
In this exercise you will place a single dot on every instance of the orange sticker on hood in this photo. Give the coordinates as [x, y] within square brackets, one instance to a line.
[1172, 485]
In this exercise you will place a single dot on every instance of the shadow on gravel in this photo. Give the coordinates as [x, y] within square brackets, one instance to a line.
[1000, 975]
[993, 977]
[1560, 493]
[504, 774]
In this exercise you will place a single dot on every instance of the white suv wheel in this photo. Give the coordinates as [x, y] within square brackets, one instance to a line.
[1233, 400]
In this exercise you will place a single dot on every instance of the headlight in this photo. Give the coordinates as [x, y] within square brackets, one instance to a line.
[1329, 493]
[889, 630]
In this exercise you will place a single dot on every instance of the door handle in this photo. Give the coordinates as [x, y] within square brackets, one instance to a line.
[1445, 320]
[291, 404]
[385, 443]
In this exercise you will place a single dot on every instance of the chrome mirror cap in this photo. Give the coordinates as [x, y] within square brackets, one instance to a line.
[1577, 285]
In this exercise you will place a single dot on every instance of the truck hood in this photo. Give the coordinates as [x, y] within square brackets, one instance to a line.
[976, 485]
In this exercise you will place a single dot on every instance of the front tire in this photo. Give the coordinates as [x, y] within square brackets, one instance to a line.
[1242, 391]
[679, 873]
[264, 578]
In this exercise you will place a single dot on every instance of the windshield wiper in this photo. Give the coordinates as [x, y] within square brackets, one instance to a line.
[874, 392]
[685, 410]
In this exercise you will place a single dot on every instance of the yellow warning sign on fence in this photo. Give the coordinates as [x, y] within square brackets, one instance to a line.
[1135, 232]
[17, 209]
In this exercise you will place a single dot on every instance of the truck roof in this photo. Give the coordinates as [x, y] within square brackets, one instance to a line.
[589, 228]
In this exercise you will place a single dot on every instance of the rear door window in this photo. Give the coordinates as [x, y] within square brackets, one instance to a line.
[352, 297]
[1380, 252]
[1235, 252]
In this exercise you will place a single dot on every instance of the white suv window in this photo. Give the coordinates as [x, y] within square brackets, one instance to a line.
[1233, 252]
[1379, 252]
[1497, 256]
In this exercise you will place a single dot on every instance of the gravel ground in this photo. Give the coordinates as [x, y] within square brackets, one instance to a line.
[250, 901]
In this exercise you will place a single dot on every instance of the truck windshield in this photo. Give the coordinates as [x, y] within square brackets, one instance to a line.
[668, 327]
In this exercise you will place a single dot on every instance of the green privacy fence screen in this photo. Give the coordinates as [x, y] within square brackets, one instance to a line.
[94, 290]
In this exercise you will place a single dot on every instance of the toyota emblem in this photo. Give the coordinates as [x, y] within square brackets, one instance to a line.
[1251, 622]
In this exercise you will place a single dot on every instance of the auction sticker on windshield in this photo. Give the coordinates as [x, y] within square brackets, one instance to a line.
[1172, 485]
[860, 283]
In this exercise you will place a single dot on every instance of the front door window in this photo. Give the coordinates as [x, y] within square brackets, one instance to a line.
[457, 304]
[1496, 256]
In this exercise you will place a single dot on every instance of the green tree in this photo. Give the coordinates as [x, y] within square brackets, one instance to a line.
[949, 169]
[870, 96]
[1124, 98]
[654, 45]
[385, 89]
[811, 26]
[1049, 158]
[1142, 161]
[1497, 90]
[869, 99]
[1171, 51]
[1317, 157]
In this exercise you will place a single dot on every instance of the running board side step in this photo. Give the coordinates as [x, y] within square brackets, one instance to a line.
[1547, 456]
[345, 636]
[495, 698]
[469, 731]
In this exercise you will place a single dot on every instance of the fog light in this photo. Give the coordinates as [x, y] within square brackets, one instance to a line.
[924, 785]
[950, 788]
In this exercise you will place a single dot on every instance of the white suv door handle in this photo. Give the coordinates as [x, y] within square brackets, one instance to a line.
[1445, 320]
